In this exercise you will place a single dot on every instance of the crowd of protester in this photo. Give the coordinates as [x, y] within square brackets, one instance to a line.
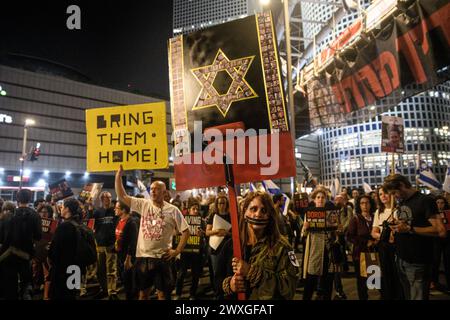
[148, 245]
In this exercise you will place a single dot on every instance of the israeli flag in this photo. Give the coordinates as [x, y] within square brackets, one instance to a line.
[273, 189]
[446, 185]
[252, 187]
[427, 177]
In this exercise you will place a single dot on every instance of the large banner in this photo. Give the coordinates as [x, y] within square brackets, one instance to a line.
[409, 54]
[133, 136]
[222, 79]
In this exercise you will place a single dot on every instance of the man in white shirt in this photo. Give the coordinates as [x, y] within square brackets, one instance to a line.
[159, 222]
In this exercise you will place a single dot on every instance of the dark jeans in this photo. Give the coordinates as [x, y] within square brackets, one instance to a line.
[415, 279]
[14, 269]
[391, 288]
[441, 249]
[195, 263]
[338, 283]
[343, 243]
[219, 273]
[58, 285]
[361, 283]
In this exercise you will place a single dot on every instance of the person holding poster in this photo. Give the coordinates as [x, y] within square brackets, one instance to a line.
[154, 253]
[268, 269]
[319, 259]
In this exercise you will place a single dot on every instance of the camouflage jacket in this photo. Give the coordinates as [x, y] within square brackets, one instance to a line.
[272, 273]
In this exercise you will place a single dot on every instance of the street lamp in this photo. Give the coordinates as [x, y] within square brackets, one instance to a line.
[287, 30]
[28, 123]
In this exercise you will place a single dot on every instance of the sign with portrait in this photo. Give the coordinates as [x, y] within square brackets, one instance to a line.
[90, 191]
[392, 134]
[60, 190]
[133, 136]
[321, 219]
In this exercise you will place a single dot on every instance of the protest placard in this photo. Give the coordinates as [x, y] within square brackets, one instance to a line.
[321, 219]
[133, 136]
[60, 190]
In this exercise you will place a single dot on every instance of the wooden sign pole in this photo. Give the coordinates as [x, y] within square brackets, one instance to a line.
[233, 214]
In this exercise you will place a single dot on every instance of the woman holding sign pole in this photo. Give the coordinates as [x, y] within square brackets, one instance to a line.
[319, 260]
[268, 269]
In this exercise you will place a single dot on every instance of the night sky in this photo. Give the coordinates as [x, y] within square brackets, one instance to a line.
[121, 44]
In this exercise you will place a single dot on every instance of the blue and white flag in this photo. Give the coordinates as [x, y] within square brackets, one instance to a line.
[252, 188]
[446, 186]
[273, 189]
[427, 177]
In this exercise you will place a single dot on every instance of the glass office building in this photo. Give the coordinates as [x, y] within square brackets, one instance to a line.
[353, 152]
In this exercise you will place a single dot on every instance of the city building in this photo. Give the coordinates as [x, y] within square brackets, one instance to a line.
[192, 15]
[56, 98]
[353, 153]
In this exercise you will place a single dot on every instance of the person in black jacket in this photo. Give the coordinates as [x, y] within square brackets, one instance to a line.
[62, 252]
[21, 231]
[105, 225]
[126, 240]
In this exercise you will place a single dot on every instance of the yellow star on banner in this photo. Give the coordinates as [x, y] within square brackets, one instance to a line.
[239, 88]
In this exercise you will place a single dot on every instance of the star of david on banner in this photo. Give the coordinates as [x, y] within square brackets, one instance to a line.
[238, 90]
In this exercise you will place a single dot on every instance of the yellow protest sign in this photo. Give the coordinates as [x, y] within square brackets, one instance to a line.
[134, 136]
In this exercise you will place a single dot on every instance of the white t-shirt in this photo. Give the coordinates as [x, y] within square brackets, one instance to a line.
[380, 218]
[157, 227]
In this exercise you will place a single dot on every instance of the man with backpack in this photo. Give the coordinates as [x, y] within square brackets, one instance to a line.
[72, 249]
[21, 231]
